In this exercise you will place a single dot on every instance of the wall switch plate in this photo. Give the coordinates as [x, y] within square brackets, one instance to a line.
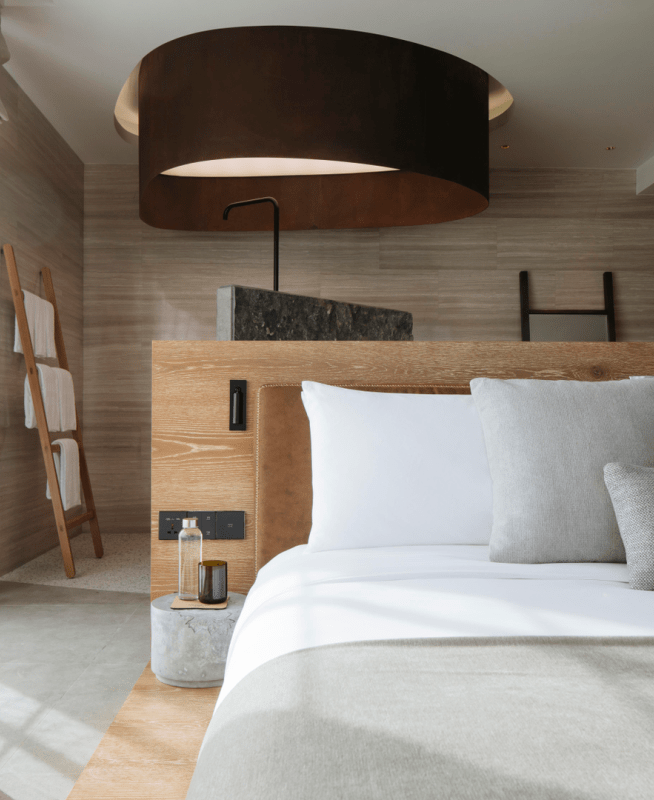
[206, 523]
[238, 393]
[230, 524]
[170, 524]
[213, 524]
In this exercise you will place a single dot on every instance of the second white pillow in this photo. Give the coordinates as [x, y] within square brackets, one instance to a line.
[396, 469]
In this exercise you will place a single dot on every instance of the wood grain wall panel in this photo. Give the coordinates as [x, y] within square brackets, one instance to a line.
[632, 245]
[472, 305]
[434, 247]
[41, 215]
[635, 291]
[571, 285]
[560, 243]
[198, 463]
[566, 194]
[459, 279]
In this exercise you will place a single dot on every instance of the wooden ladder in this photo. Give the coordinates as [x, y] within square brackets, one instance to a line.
[63, 525]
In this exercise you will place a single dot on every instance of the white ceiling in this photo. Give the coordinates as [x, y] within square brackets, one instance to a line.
[581, 71]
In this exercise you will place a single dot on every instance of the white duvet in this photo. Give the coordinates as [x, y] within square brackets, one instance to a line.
[302, 599]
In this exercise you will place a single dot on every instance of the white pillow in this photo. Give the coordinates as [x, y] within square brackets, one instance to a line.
[396, 469]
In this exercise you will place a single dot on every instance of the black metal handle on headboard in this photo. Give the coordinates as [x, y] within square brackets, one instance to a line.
[237, 405]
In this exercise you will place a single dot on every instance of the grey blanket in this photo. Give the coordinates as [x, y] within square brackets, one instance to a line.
[534, 719]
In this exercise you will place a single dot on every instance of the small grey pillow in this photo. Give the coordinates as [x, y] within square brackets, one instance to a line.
[632, 494]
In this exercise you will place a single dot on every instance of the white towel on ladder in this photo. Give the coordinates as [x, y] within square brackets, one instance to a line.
[66, 391]
[50, 393]
[67, 466]
[40, 321]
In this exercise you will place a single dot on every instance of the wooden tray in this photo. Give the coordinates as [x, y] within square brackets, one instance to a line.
[177, 603]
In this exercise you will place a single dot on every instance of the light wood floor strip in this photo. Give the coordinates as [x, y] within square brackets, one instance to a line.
[150, 749]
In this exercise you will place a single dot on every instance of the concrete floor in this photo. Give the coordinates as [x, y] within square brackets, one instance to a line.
[68, 659]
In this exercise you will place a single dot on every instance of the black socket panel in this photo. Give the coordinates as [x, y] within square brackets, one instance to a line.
[213, 524]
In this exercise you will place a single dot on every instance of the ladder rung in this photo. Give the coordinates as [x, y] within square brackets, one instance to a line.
[75, 521]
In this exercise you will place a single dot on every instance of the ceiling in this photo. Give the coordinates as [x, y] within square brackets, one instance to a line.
[581, 71]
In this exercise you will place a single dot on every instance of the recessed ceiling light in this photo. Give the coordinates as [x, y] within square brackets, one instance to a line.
[611, 147]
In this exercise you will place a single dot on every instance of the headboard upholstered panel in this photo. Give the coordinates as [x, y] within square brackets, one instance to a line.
[283, 463]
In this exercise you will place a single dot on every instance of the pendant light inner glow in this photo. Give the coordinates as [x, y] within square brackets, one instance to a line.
[254, 167]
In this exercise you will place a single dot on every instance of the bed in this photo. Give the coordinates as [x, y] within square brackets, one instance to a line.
[427, 670]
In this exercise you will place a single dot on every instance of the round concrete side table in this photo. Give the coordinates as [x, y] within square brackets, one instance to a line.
[189, 645]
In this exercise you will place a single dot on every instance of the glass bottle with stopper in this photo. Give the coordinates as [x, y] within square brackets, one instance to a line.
[190, 555]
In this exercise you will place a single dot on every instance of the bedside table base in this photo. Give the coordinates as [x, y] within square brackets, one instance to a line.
[189, 646]
[189, 684]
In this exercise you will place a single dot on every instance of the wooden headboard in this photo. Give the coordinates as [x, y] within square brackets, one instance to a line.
[198, 464]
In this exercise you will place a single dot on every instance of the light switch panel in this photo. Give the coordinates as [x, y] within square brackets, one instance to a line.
[230, 524]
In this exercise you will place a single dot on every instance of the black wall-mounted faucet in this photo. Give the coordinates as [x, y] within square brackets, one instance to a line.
[276, 230]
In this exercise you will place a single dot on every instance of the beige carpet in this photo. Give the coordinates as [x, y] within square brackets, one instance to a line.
[125, 566]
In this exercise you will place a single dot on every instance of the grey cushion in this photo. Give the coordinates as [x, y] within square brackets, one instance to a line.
[547, 444]
[632, 492]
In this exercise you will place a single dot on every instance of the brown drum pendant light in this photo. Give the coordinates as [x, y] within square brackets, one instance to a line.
[345, 129]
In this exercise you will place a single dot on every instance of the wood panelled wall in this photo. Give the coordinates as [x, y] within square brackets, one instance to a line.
[460, 281]
[42, 216]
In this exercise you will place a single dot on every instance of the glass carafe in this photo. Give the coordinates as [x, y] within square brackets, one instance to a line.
[190, 555]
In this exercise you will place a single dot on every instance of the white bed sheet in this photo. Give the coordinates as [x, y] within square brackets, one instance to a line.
[302, 599]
